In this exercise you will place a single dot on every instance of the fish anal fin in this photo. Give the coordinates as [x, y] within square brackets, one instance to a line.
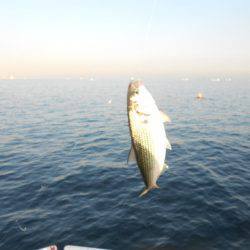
[131, 155]
[164, 168]
[165, 117]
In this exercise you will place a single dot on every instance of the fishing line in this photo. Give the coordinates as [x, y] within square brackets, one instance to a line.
[150, 21]
[148, 33]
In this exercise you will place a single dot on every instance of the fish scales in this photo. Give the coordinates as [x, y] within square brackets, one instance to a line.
[143, 146]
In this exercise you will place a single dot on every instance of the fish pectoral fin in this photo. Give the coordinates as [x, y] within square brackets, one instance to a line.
[165, 117]
[168, 145]
[131, 155]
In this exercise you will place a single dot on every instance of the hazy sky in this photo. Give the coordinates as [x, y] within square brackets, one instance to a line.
[132, 37]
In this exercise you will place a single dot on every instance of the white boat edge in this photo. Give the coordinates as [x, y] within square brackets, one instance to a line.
[52, 247]
[69, 247]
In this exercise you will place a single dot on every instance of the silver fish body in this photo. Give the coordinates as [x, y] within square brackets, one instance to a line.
[148, 137]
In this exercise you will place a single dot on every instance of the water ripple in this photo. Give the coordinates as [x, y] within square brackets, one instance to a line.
[64, 178]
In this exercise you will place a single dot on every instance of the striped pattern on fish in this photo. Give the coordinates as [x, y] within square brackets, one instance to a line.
[149, 141]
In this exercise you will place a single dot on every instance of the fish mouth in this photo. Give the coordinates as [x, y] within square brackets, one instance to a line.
[135, 84]
[134, 88]
[133, 92]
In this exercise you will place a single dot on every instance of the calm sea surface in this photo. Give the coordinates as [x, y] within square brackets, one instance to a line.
[64, 177]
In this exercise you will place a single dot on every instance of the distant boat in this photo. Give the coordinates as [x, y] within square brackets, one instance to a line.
[215, 79]
[200, 96]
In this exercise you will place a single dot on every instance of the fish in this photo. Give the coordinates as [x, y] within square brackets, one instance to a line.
[148, 137]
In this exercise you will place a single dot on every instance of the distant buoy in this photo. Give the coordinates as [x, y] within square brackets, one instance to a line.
[199, 96]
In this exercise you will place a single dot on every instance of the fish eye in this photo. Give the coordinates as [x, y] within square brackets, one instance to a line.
[136, 91]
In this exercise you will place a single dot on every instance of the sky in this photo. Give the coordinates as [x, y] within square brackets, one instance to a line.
[132, 37]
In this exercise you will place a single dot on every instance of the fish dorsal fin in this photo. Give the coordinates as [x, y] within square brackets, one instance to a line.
[168, 145]
[164, 117]
[131, 155]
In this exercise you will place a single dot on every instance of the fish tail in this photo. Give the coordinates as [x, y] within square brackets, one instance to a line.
[146, 190]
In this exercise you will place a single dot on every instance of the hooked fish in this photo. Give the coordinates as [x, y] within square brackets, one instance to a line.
[148, 137]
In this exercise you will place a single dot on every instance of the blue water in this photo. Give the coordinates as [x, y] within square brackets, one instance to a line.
[64, 177]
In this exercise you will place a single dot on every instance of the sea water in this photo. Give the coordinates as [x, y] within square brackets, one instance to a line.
[64, 177]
